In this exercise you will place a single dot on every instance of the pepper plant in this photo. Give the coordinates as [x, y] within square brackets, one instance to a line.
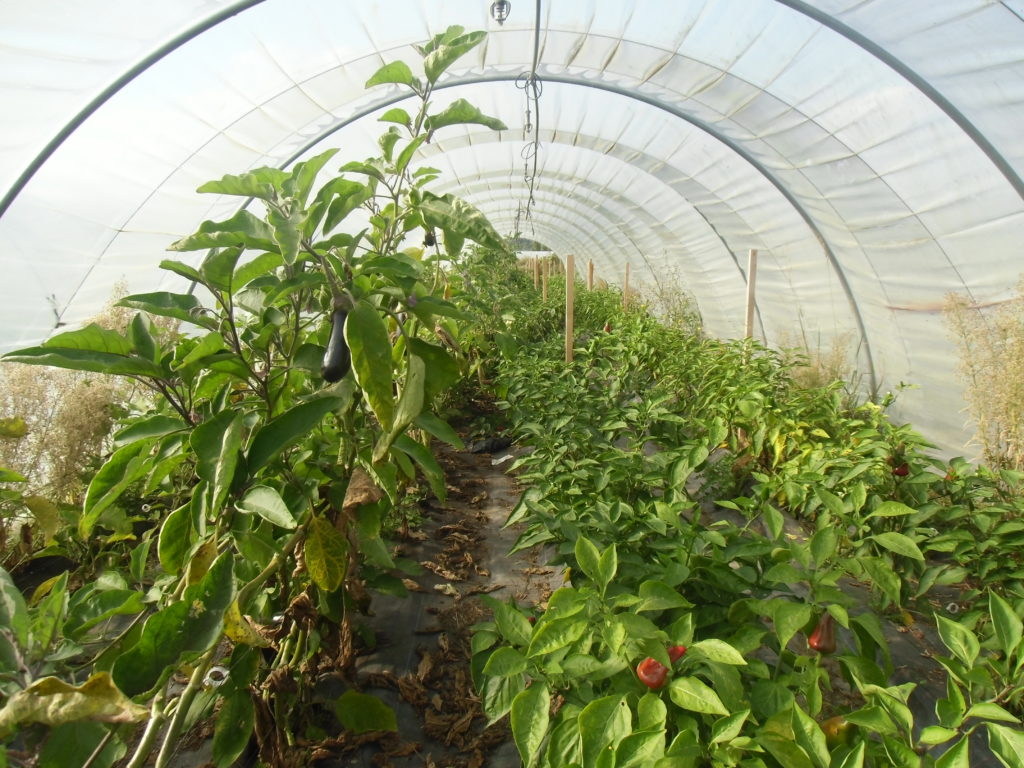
[698, 499]
[288, 419]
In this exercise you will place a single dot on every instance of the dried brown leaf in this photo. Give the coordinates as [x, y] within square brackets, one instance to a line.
[361, 491]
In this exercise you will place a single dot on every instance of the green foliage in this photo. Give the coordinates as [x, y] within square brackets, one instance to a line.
[240, 469]
[629, 447]
[360, 712]
[186, 627]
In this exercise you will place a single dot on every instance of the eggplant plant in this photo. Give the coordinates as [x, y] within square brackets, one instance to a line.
[288, 418]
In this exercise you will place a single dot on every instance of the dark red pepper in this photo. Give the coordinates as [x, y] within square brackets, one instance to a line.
[675, 652]
[652, 673]
[823, 638]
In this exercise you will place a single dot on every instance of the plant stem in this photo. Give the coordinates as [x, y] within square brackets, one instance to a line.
[280, 717]
[1005, 692]
[245, 593]
[299, 650]
[338, 295]
[164, 389]
[184, 704]
[99, 749]
[156, 720]
[284, 653]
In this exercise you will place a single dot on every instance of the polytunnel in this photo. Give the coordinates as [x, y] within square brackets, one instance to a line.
[867, 150]
[381, 475]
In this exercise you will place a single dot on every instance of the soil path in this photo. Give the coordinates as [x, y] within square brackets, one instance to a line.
[422, 660]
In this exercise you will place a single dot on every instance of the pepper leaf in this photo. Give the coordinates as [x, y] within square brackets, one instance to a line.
[180, 306]
[530, 716]
[260, 183]
[242, 229]
[395, 72]
[1007, 744]
[461, 112]
[1008, 627]
[268, 504]
[189, 626]
[445, 54]
[899, 543]
[326, 554]
[367, 338]
[959, 639]
[124, 467]
[455, 215]
[695, 695]
[93, 349]
[52, 702]
[285, 430]
[603, 723]
[361, 712]
[235, 722]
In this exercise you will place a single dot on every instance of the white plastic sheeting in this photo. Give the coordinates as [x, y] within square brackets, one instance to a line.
[869, 149]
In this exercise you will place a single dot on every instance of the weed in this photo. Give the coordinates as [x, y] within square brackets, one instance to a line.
[67, 414]
[990, 345]
[669, 300]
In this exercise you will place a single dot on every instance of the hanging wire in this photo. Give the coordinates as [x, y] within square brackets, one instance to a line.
[533, 87]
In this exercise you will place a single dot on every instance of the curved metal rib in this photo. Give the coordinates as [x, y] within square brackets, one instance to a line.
[699, 124]
[102, 98]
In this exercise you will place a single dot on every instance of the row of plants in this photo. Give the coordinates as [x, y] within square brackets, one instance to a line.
[665, 471]
[228, 545]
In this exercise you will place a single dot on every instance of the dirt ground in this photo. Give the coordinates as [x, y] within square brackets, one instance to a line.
[421, 660]
[421, 664]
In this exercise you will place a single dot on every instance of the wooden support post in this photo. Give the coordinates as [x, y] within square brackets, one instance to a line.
[590, 275]
[544, 280]
[570, 302]
[536, 273]
[748, 329]
[625, 290]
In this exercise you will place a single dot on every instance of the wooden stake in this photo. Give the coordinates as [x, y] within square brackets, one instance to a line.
[544, 281]
[748, 330]
[590, 275]
[536, 273]
[570, 305]
[625, 290]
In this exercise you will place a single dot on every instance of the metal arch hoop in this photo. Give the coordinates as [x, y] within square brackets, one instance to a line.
[718, 235]
[699, 124]
[919, 82]
[798, 6]
[104, 96]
